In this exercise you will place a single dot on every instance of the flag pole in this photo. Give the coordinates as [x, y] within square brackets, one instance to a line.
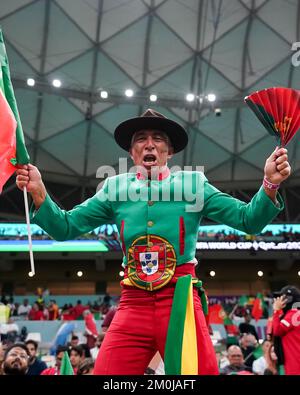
[233, 310]
[28, 230]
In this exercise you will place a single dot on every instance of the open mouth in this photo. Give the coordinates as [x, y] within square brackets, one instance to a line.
[149, 159]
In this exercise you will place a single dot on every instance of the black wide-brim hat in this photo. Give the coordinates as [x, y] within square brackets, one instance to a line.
[153, 120]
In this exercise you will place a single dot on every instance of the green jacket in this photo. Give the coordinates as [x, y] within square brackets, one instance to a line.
[171, 208]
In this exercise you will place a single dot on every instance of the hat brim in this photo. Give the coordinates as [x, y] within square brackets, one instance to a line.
[176, 133]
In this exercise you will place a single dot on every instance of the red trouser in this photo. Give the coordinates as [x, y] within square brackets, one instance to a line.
[139, 329]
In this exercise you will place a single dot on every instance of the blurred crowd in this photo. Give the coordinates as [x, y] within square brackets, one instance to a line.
[110, 235]
[283, 236]
[41, 310]
[243, 351]
[20, 355]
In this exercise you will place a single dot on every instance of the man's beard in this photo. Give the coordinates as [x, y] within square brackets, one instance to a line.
[16, 371]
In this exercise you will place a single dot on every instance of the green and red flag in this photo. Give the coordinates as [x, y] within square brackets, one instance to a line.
[181, 353]
[230, 327]
[258, 307]
[232, 331]
[243, 301]
[12, 146]
[217, 314]
[258, 352]
[66, 368]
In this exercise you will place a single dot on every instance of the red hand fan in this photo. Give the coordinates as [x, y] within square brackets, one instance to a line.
[278, 109]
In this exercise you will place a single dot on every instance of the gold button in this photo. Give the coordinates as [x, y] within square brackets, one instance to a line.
[150, 244]
[150, 203]
[150, 223]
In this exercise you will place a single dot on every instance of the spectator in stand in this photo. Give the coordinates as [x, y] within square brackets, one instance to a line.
[95, 307]
[78, 310]
[104, 308]
[246, 327]
[54, 371]
[105, 305]
[9, 331]
[4, 313]
[39, 293]
[86, 367]
[107, 299]
[67, 313]
[108, 318]
[45, 311]
[271, 362]
[11, 306]
[24, 309]
[53, 310]
[16, 359]
[286, 328]
[38, 312]
[86, 350]
[3, 348]
[35, 314]
[65, 308]
[76, 355]
[260, 364]
[91, 331]
[3, 299]
[236, 362]
[14, 313]
[36, 366]
[45, 293]
[23, 334]
[222, 359]
[95, 350]
[74, 341]
[248, 344]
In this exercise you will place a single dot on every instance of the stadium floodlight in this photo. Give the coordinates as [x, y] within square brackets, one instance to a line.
[153, 98]
[299, 273]
[260, 273]
[104, 94]
[30, 82]
[211, 97]
[212, 273]
[56, 83]
[79, 273]
[129, 93]
[190, 97]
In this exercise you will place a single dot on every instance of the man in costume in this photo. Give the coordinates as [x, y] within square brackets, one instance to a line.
[157, 214]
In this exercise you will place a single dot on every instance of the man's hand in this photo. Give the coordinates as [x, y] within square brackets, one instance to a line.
[279, 303]
[29, 176]
[277, 167]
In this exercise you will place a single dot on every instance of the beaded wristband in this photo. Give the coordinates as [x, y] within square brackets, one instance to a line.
[270, 185]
